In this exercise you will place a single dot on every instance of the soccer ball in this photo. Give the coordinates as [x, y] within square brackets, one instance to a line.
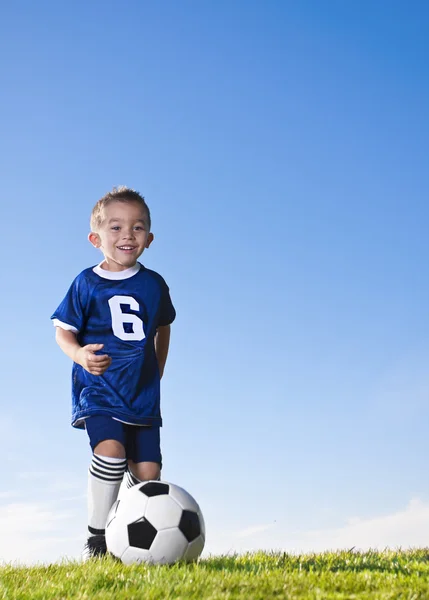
[155, 522]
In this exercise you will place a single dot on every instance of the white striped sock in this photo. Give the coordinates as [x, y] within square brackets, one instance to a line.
[104, 479]
[130, 479]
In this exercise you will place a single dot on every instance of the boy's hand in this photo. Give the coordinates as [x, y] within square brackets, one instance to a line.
[95, 364]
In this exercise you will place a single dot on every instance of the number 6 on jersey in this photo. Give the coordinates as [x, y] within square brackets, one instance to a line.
[119, 319]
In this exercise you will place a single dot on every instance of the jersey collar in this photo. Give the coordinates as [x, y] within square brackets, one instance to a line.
[117, 274]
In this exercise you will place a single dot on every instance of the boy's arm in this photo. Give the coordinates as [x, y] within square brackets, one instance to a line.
[82, 355]
[162, 342]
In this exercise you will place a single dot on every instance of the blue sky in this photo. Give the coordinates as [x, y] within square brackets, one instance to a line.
[282, 148]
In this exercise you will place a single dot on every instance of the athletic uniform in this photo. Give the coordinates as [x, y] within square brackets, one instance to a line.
[121, 310]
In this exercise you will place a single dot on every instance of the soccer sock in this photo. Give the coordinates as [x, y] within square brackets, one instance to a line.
[104, 479]
[130, 479]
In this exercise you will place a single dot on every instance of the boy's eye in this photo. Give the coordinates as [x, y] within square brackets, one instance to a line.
[139, 227]
[115, 228]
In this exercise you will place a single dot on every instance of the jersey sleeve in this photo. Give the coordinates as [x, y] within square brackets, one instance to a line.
[70, 314]
[167, 312]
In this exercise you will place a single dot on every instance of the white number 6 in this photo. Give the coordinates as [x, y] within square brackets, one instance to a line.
[119, 318]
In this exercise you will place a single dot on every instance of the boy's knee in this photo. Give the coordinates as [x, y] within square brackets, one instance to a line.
[110, 448]
[145, 471]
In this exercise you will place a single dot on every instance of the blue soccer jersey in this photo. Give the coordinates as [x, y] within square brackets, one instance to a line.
[121, 310]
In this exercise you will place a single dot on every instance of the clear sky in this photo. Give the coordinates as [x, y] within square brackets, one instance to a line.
[283, 150]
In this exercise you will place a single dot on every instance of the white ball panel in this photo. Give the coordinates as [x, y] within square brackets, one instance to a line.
[163, 512]
[133, 504]
[194, 549]
[169, 545]
[117, 535]
[136, 556]
[185, 500]
[112, 512]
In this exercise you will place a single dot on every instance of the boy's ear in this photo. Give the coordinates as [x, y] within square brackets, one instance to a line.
[149, 240]
[94, 238]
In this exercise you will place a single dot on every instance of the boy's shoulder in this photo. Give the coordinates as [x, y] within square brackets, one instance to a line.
[87, 275]
[88, 272]
[154, 274]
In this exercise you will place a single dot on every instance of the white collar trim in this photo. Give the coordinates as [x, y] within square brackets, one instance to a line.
[117, 274]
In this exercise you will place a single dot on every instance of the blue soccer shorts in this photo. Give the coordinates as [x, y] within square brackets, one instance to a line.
[141, 443]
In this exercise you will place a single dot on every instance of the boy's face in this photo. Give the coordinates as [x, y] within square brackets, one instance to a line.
[123, 235]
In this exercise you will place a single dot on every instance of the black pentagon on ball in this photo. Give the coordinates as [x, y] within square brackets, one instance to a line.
[190, 525]
[154, 488]
[141, 534]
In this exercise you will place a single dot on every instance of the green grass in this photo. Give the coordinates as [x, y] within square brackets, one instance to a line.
[259, 576]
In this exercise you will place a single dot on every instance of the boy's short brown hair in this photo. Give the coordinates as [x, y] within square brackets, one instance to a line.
[118, 194]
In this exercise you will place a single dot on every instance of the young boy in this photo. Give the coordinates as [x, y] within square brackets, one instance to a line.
[114, 323]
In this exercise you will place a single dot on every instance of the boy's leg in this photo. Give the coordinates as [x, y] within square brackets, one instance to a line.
[104, 478]
[128, 481]
[142, 471]
[105, 474]
[144, 456]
